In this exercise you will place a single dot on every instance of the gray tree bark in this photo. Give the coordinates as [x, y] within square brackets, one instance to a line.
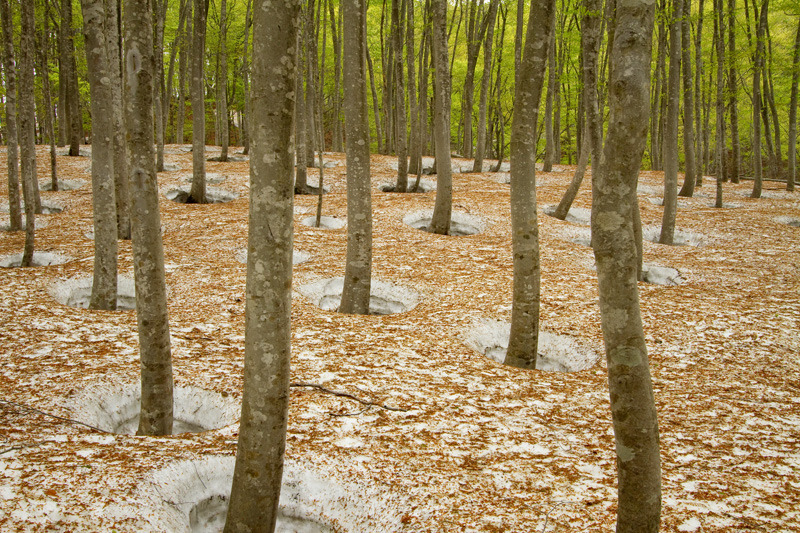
[104, 284]
[719, 36]
[358, 270]
[222, 81]
[523, 341]
[549, 136]
[12, 140]
[733, 104]
[758, 69]
[27, 133]
[44, 74]
[480, 147]
[197, 194]
[183, 65]
[690, 173]
[442, 210]
[262, 433]
[414, 141]
[155, 417]
[671, 133]
[398, 88]
[300, 123]
[792, 155]
[159, 21]
[614, 210]
[70, 79]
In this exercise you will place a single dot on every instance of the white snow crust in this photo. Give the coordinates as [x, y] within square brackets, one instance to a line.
[213, 195]
[76, 292]
[461, 224]
[39, 259]
[576, 215]
[385, 298]
[681, 237]
[325, 222]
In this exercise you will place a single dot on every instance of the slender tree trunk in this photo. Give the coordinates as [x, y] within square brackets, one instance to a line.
[173, 52]
[443, 207]
[757, 72]
[155, 417]
[104, 285]
[300, 123]
[698, 93]
[160, 16]
[614, 210]
[523, 341]
[44, 73]
[27, 133]
[399, 91]
[222, 81]
[12, 140]
[197, 194]
[687, 189]
[69, 76]
[549, 136]
[474, 37]
[671, 133]
[769, 93]
[480, 147]
[357, 276]
[719, 36]
[183, 65]
[246, 81]
[656, 101]
[262, 434]
[792, 155]
[736, 161]
[375, 105]
[415, 148]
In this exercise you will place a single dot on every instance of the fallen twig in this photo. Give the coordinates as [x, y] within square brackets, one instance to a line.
[347, 395]
[34, 410]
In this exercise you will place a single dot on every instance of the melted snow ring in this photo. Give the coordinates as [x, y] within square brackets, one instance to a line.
[298, 256]
[789, 221]
[324, 222]
[461, 224]
[680, 238]
[213, 195]
[557, 353]
[660, 275]
[77, 292]
[385, 298]
[117, 411]
[576, 215]
[193, 496]
[212, 178]
[39, 259]
[425, 185]
[63, 185]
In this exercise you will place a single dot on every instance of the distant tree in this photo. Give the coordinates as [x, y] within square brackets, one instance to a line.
[690, 173]
[358, 270]
[719, 39]
[523, 342]
[223, 134]
[104, 283]
[398, 89]
[43, 70]
[758, 69]
[262, 432]
[614, 218]
[12, 140]
[733, 103]
[792, 177]
[671, 129]
[442, 210]
[27, 127]
[480, 148]
[68, 78]
[197, 194]
[155, 357]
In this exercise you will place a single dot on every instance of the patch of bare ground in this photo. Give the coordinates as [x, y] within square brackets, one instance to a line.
[474, 446]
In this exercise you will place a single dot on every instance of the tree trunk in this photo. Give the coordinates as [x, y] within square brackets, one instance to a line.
[736, 161]
[120, 147]
[222, 81]
[757, 72]
[44, 73]
[690, 172]
[474, 37]
[486, 78]
[376, 112]
[357, 276]
[183, 65]
[300, 123]
[173, 52]
[719, 36]
[197, 194]
[442, 210]
[698, 94]
[27, 128]
[399, 91]
[549, 136]
[262, 433]
[155, 417]
[9, 68]
[614, 209]
[671, 133]
[69, 77]
[160, 16]
[104, 284]
[415, 147]
[246, 80]
[523, 341]
[656, 101]
[792, 155]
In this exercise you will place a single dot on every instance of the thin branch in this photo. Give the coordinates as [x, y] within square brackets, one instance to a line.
[70, 420]
[347, 395]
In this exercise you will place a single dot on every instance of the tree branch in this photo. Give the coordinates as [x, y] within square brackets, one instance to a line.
[347, 395]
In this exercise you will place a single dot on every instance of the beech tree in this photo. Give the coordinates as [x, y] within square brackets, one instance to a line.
[614, 214]
[155, 356]
[223, 135]
[104, 283]
[27, 127]
[671, 133]
[690, 172]
[262, 432]
[68, 80]
[442, 210]
[792, 170]
[523, 342]
[10, 71]
[358, 270]
[197, 194]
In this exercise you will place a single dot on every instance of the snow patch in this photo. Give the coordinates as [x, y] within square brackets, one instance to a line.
[117, 410]
[660, 275]
[213, 195]
[385, 298]
[461, 224]
[193, 496]
[77, 292]
[576, 215]
[680, 238]
[557, 353]
[425, 185]
[325, 222]
[789, 221]
[63, 185]
[39, 259]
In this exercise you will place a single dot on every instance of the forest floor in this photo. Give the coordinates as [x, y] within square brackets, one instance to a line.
[475, 446]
